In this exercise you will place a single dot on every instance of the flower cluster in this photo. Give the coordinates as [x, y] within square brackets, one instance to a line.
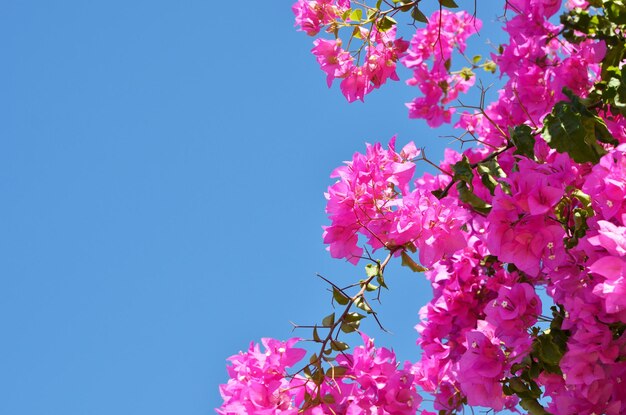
[381, 48]
[476, 332]
[311, 16]
[373, 197]
[538, 65]
[370, 383]
[539, 204]
[444, 33]
[258, 382]
[379, 64]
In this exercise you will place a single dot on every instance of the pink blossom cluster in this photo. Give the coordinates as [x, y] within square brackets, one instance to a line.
[591, 286]
[373, 383]
[474, 329]
[312, 15]
[374, 198]
[258, 382]
[381, 55]
[444, 33]
[535, 220]
[538, 64]
[381, 49]
[477, 326]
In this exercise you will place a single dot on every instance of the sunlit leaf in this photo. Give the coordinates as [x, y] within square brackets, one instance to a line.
[407, 261]
[329, 320]
[340, 297]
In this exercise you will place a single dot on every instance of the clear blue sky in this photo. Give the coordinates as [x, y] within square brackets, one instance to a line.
[162, 169]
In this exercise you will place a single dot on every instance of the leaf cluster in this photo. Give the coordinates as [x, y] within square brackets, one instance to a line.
[606, 21]
[547, 350]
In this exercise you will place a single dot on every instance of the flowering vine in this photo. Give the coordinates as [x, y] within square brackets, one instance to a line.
[538, 203]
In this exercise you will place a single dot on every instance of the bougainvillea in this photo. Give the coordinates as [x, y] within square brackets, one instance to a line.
[538, 203]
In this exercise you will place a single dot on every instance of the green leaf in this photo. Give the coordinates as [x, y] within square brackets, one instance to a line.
[372, 270]
[349, 327]
[448, 3]
[354, 316]
[385, 23]
[362, 304]
[533, 406]
[439, 193]
[524, 141]
[381, 281]
[614, 88]
[407, 261]
[340, 297]
[615, 11]
[417, 15]
[328, 359]
[336, 372]
[406, 7]
[467, 73]
[371, 287]
[534, 371]
[490, 171]
[535, 390]
[316, 336]
[338, 346]
[517, 367]
[571, 128]
[463, 171]
[464, 174]
[329, 320]
[318, 377]
[613, 57]
[549, 351]
[356, 15]
[467, 196]
[476, 59]
[517, 385]
[490, 66]
[328, 398]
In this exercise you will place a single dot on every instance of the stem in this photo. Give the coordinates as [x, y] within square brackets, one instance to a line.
[474, 165]
[360, 296]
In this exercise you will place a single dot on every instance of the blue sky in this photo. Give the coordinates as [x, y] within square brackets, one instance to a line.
[162, 166]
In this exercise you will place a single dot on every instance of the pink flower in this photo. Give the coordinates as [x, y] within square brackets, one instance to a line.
[613, 289]
[445, 32]
[258, 383]
[367, 200]
[311, 15]
[572, 4]
[544, 8]
[514, 311]
[356, 85]
[333, 60]
[610, 237]
[481, 368]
